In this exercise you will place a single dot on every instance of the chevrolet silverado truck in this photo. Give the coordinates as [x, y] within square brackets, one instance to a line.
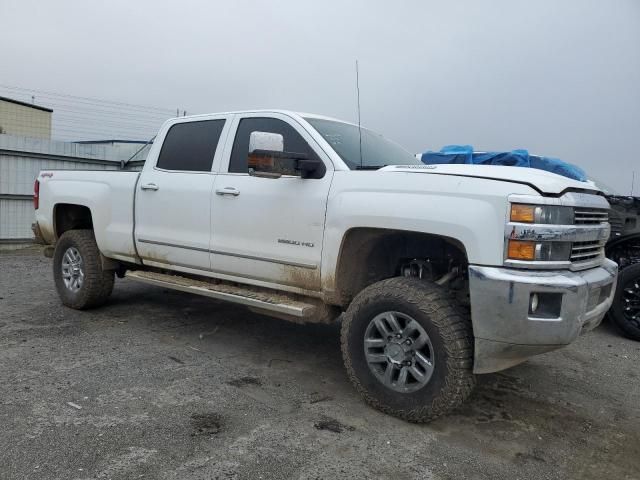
[437, 272]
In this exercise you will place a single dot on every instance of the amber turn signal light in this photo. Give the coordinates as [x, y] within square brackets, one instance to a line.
[520, 250]
[522, 213]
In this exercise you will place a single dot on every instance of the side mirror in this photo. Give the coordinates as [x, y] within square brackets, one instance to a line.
[266, 141]
[267, 158]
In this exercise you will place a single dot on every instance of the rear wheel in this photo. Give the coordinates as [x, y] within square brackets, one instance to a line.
[408, 349]
[625, 310]
[80, 280]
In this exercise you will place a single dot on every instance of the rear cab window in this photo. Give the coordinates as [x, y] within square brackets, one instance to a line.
[190, 146]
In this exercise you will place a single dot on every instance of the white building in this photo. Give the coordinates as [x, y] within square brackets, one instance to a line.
[22, 158]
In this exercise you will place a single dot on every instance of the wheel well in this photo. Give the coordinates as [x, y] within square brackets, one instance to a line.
[68, 217]
[368, 255]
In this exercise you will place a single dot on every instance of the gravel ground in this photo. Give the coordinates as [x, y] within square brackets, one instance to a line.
[164, 385]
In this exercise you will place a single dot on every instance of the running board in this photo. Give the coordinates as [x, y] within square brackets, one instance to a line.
[252, 297]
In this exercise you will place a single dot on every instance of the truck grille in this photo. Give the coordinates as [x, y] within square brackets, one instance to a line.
[590, 216]
[585, 251]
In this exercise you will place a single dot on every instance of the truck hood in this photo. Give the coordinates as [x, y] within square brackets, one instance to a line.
[544, 182]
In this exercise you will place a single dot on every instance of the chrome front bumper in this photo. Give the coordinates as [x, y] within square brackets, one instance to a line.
[505, 329]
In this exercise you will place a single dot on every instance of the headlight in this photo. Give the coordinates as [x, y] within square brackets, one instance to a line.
[548, 233]
[538, 251]
[542, 214]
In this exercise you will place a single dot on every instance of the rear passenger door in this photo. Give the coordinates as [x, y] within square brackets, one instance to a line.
[173, 197]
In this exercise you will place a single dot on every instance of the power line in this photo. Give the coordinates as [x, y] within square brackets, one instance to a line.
[76, 117]
[87, 110]
[61, 119]
[92, 99]
[105, 134]
[83, 114]
[102, 107]
[88, 135]
[98, 128]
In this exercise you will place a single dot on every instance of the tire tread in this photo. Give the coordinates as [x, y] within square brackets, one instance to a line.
[98, 283]
[454, 325]
[616, 313]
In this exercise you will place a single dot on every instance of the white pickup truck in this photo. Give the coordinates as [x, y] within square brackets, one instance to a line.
[437, 272]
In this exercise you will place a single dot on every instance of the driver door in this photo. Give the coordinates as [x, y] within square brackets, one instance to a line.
[269, 229]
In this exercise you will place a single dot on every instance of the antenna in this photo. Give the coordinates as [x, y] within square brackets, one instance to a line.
[124, 162]
[359, 126]
[633, 179]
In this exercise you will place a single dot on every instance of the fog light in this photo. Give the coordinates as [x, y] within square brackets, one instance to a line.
[545, 305]
[534, 303]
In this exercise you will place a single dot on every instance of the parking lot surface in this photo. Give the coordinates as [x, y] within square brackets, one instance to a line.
[165, 385]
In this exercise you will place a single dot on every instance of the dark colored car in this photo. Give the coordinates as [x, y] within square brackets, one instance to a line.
[623, 248]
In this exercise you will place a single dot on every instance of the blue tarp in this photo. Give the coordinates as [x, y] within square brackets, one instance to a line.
[464, 154]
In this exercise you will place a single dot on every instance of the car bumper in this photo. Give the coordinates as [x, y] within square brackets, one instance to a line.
[508, 330]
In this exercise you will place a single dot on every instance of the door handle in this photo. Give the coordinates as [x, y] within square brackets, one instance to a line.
[228, 191]
[149, 186]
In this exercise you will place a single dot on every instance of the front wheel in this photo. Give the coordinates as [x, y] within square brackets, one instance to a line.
[408, 349]
[625, 310]
[80, 280]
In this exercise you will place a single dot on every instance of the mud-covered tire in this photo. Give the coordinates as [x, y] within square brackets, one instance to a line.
[450, 332]
[628, 289]
[97, 284]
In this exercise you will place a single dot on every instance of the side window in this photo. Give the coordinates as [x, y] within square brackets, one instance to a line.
[293, 141]
[190, 146]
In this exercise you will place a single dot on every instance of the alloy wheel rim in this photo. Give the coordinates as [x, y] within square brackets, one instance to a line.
[399, 352]
[72, 269]
[631, 301]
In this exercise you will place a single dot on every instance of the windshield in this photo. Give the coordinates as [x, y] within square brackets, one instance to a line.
[377, 151]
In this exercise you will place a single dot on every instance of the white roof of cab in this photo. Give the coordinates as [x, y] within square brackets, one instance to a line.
[290, 113]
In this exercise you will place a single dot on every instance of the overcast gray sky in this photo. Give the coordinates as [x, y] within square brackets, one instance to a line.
[557, 77]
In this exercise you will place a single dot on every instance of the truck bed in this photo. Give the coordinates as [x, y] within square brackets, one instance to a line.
[109, 194]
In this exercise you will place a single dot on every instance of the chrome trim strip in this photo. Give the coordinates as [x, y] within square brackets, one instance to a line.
[556, 265]
[165, 244]
[310, 266]
[563, 233]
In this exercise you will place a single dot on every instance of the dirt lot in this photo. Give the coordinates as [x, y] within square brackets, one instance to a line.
[164, 385]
